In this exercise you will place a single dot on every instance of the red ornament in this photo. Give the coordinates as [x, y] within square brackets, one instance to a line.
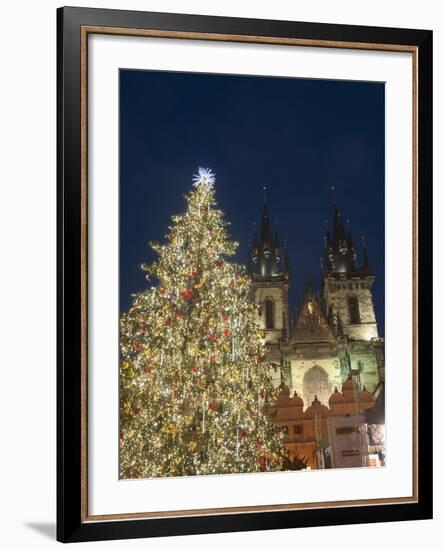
[242, 433]
[211, 405]
[162, 292]
[258, 445]
[231, 283]
[169, 321]
[212, 338]
[219, 264]
[211, 357]
[194, 273]
[194, 370]
[186, 294]
[225, 317]
[179, 314]
[147, 371]
[262, 394]
[143, 330]
[138, 346]
[226, 332]
[137, 411]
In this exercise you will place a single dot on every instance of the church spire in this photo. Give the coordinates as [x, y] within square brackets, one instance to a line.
[286, 261]
[338, 227]
[351, 245]
[366, 264]
[277, 247]
[266, 253]
[255, 248]
[339, 254]
[266, 233]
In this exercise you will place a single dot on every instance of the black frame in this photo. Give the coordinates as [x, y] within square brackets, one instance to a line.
[70, 527]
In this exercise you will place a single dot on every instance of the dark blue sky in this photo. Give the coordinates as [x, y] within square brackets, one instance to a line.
[298, 137]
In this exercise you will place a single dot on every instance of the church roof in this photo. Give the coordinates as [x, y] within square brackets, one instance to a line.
[265, 261]
[311, 324]
[339, 249]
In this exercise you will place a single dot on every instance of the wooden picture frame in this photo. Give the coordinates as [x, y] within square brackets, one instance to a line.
[74, 25]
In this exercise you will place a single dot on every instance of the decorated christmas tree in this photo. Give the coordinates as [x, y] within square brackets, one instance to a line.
[194, 381]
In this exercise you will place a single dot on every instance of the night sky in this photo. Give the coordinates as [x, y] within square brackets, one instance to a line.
[297, 137]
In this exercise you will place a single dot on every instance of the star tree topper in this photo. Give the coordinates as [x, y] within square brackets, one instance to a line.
[204, 176]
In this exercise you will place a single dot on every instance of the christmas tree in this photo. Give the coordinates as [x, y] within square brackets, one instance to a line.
[194, 381]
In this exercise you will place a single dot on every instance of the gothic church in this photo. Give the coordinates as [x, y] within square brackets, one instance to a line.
[334, 335]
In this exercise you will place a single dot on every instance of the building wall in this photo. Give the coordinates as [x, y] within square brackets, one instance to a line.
[336, 294]
[300, 371]
[315, 431]
[313, 364]
[364, 358]
[348, 441]
[275, 374]
[278, 293]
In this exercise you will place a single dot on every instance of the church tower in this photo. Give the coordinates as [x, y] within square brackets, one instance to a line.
[347, 287]
[270, 274]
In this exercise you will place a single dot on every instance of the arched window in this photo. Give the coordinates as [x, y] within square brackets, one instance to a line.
[353, 310]
[316, 382]
[269, 313]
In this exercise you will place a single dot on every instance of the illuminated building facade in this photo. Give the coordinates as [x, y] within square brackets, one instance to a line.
[333, 336]
[335, 435]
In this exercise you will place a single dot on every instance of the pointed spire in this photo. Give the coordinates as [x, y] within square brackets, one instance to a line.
[328, 242]
[339, 253]
[349, 235]
[286, 265]
[366, 264]
[350, 239]
[338, 227]
[328, 250]
[266, 249]
[328, 239]
[351, 247]
[266, 235]
[277, 247]
[255, 251]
